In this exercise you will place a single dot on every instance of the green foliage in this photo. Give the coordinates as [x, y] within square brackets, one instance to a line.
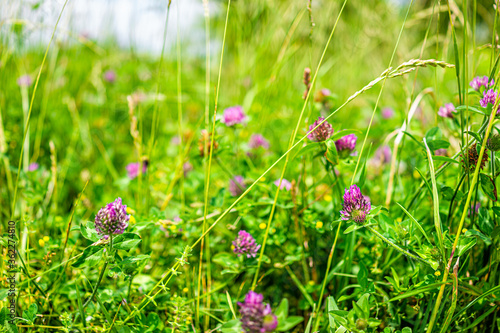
[173, 269]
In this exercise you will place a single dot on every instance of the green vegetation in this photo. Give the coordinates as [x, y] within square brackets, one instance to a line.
[321, 166]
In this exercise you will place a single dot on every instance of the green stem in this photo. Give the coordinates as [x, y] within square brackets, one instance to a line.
[97, 284]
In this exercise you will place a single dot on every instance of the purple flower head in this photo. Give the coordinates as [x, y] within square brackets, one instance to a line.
[133, 169]
[383, 154]
[285, 184]
[356, 206]
[489, 97]
[24, 81]
[175, 140]
[476, 209]
[112, 218]
[387, 113]
[447, 111]
[245, 244]
[236, 186]
[233, 115]
[322, 95]
[257, 140]
[346, 145]
[187, 168]
[256, 317]
[322, 133]
[479, 82]
[440, 152]
[109, 76]
[33, 166]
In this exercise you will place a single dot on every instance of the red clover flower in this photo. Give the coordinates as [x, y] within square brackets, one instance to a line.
[112, 218]
[322, 133]
[356, 206]
[257, 317]
[233, 115]
[245, 244]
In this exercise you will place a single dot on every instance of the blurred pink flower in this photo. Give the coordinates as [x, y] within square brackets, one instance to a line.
[24, 81]
[133, 169]
[233, 115]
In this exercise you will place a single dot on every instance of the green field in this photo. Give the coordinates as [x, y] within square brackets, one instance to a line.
[290, 166]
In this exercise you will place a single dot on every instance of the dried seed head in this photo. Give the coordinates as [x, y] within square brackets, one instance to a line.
[472, 158]
[493, 142]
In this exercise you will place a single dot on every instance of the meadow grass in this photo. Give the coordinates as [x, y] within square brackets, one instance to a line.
[319, 166]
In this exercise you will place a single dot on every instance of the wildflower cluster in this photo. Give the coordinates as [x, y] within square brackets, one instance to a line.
[356, 206]
[112, 218]
[245, 244]
[256, 317]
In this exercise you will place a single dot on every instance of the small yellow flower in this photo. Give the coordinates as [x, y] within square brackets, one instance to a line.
[130, 210]
[464, 230]
[46, 238]
[416, 174]
[173, 227]
[185, 290]
[262, 226]
[399, 219]
[327, 197]
[319, 225]
[41, 242]
[437, 273]
[311, 282]
[263, 179]
[132, 220]
[232, 247]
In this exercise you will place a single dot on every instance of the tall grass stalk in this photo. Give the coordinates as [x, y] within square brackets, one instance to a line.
[209, 164]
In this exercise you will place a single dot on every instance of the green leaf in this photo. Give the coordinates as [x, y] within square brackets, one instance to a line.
[6, 321]
[435, 201]
[471, 108]
[289, 323]
[126, 241]
[431, 133]
[483, 237]
[282, 310]
[232, 326]
[30, 314]
[465, 244]
[363, 276]
[438, 144]
[331, 152]
[488, 187]
[364, 304]
[91, 256]
[415, 222]
[416, 291]
[307, 149]
[475, 135]
[424, 179]
[88, 231]
[226, 260]
[359, 312]
[444, 159]
[131, 265]
[414, 139]
[331, 305]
